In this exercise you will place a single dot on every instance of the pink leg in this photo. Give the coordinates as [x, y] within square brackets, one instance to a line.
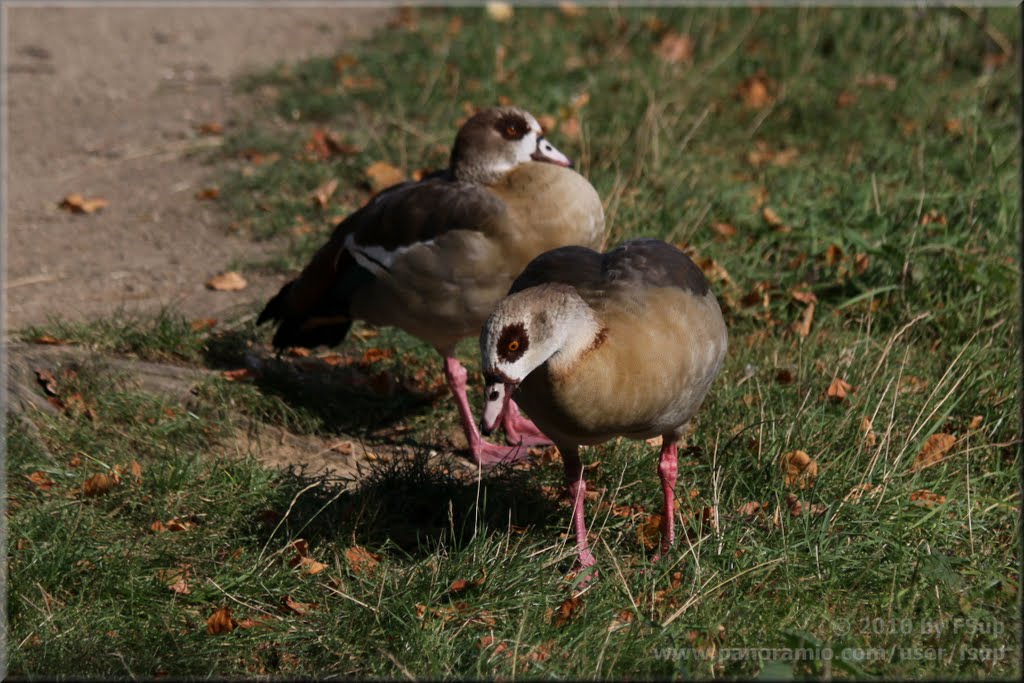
[483, 452]
[520, 430]
[667, 470]
[577, 493]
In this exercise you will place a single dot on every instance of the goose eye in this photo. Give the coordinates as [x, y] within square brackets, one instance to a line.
[511, 131]
[513, 345]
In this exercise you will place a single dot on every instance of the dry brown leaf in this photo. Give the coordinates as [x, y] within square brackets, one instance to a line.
[171, 525]
[802, 327]
[460, 585]
[500, 11]
[203, 324]
[297, 607]
[954, 127]
[361, 560]
[220, 622]
[176, 580]
[800, 469]
[135, 470]
[47, 381]
[47, 339]
[570, 128]
[649, 533]
[211, 128]
[771, 217]
[322, 194]
[231, 281]
[750, 509]
[756, 91]
[838, 390]
[383, 175]
[569, 608]
[374, 354]
[934, 450]
[76, 203]
[870, 438]
[40, 480]
[208, 193]
[976, 422]
[238, 375]
[97, 485]
[675, 48]
[933, 216]
[926, 498]
[845, 98]
[725, 231]
[804, 295]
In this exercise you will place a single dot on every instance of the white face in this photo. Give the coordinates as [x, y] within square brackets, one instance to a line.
[507, 359]
[533, 147]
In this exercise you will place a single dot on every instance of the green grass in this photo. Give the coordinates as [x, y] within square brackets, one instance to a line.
[926, 330]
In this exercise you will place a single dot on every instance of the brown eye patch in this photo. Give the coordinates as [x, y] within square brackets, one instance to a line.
[512, 343]
[512, 127]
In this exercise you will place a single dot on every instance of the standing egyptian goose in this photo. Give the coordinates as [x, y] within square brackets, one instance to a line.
[597, 346]
[433, 257]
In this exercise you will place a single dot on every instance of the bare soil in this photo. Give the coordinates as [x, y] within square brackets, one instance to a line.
[106, 102]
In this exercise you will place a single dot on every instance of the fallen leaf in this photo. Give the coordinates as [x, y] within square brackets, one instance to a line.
[359, 83]
[202, 324]
[220, 622]
[870, 438]
[361, 560]
[76, 203]
[383, 175]
[838, 390]
[649, 533]
[171, 525]
[934, 450]
[135, 470]
[47, 339]
[954, 127]
[230, 281]
[771, 217]
[324, 144]
[803, 326]
[756, 91]
[322, 194]
[750, 509]
[926, 498]
[211, 128]
[845, 98]
[569, 608]
[725, 231]
[976, 422]
[208, 193]
[238, 375]
[40, 480]
[297, 607]
[374, 354]
[47, 381]
[933, 216]
[176, 580]
[499, 11]
[803, 295]
[460, 585]
[800, 469]
[675, 48]
[97, 485]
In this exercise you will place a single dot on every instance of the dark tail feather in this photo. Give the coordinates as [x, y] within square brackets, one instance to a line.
[317, 328]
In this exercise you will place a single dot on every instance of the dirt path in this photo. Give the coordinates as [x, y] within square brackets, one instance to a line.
[106, 102]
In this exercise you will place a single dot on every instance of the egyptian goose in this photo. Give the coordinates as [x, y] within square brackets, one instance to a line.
[433, 257]
[597, 346]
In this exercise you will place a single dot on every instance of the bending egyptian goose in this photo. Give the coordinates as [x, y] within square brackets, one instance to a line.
[433, 257]
[597, 346]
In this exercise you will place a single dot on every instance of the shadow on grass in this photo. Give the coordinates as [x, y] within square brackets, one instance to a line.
[416, 504]
[347, 397]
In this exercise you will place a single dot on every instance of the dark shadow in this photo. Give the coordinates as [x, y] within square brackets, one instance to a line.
[417, 504]
[350, 396]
